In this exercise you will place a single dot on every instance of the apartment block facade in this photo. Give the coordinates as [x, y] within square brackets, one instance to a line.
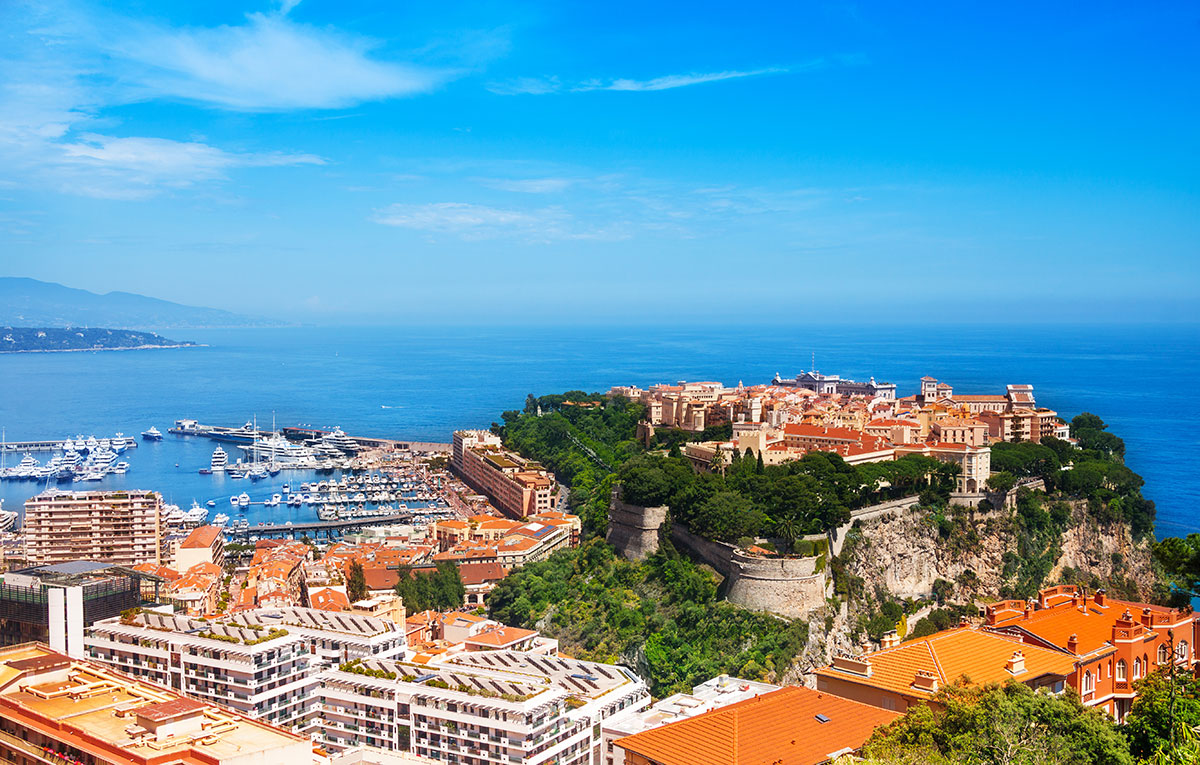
[124, 528]
[479, 708]
[517, 486]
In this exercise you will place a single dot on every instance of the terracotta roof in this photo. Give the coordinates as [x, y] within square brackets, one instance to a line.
[481, 572]
[201, 536]
[1091, 624]
[328, 599]
[500, 637]
[378, 578]
[790, 726]
[950, 655]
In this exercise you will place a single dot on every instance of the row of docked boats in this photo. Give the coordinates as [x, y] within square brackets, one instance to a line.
[66, 467]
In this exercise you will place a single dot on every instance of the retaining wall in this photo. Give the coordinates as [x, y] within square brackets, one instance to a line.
[633, 530]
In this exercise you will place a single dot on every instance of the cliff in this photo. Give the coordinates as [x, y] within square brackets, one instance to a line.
[979, 552]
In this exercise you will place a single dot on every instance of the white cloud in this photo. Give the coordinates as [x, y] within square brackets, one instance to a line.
[268, 63]
[528, 185]
[536, 86]
[673, 80]
[124, 168]
[468, 220]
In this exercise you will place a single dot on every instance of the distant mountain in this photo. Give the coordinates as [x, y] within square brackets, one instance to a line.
[32, 303]
[37, 339]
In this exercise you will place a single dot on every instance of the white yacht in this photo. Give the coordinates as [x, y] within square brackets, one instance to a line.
[243, 499]
[277, 449]
[152, 434]
[219, 460]
[233, 500]
[220, 520]
[7, 518]
[91, 444]
[338, 441]
[195, 514]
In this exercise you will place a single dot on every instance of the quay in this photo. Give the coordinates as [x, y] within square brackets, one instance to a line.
[32, 446]
[247, 434]
[297, 433]
[328, 528]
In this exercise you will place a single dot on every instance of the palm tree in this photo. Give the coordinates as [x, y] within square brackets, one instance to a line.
[789, 531]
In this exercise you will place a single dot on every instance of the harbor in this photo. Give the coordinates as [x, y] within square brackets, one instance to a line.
[276, 490]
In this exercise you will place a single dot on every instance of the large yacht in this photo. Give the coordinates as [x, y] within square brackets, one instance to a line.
[337, 441]
[7, 518]
[277, 449]
[219, 460]
[152, 434]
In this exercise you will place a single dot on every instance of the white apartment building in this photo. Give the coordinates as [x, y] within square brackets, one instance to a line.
[235, 661]
[714, 693]
[479, 708]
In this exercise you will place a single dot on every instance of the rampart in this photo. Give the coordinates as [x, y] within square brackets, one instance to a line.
[633, 530]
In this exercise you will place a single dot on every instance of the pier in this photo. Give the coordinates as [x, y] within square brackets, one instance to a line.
[32, 446]
[328, 528]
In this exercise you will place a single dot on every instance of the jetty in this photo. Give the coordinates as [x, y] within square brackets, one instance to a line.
[317, 528]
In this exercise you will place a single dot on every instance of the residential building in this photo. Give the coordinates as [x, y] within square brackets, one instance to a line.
[518, 487]
[902, 675]
[120, 527]
[478, 707]
[790, 726]
[58, 709]
[53, 604]
[714, 693]
[205, 544]
[262, 674]
[262, 663]
[196, 591]
[1114, 643]
[975, 463]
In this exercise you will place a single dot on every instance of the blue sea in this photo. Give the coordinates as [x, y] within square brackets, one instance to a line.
[422, 383]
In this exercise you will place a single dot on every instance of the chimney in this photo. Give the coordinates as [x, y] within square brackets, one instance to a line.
[925, 681]
[1016, 665]
[890, 639]
[1099, 598]
[1147, 617]
[1073, 644]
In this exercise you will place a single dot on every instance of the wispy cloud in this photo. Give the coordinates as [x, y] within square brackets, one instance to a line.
[528, 185]
[268, 63]
[127, 168]
[475, 222]
[547, 85]
[674, 80]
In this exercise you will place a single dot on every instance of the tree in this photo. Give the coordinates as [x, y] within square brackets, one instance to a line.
[1007, 724]
[356, 583]
[1001, 483]
[531, 404]
[788, 531]
[1150, 719]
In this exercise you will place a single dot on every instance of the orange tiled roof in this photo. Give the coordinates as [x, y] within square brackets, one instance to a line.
[1090, 623]
[950, 655]
[501, 637]
[777, 728]
[201, 536]
[328, 599]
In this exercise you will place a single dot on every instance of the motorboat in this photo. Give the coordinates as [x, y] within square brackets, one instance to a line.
[152, 434]
[243, 499]
[233, 500]
[212, 503]
[220, 520]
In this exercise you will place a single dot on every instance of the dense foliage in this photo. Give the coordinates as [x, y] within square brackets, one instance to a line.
[356, 582]
[805, 496]
[1000, 725]
[441, 589]
[660, 616]
[1094, 471]
[583, 438]
[1163, 703]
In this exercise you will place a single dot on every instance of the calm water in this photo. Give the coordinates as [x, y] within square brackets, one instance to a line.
[421, 383]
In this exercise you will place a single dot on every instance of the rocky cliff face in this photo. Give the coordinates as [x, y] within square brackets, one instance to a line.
[906, 554]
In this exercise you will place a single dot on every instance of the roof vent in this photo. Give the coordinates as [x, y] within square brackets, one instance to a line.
[822, 718]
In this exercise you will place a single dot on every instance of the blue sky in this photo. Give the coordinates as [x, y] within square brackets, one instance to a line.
[571, 162]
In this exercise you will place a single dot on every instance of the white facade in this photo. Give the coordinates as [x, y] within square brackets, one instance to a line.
[497, 707]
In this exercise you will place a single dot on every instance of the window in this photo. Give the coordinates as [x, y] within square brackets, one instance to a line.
[1089, 684]
[1121, 670]
[1181, 650]
[1163, 653]
[1137, 668]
